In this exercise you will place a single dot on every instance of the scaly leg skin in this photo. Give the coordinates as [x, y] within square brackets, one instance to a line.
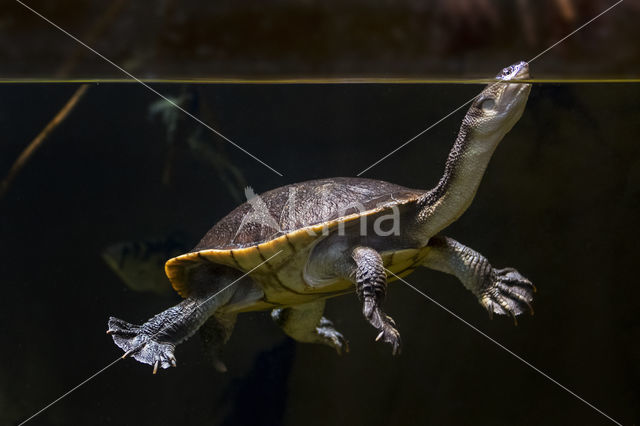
[143, 343]
[154, 341]
[371, 287]
[501, 291]
[305, 323]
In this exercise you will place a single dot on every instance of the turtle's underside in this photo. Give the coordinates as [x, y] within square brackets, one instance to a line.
[293, 247]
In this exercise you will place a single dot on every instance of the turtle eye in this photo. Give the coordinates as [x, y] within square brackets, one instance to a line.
[488, 104]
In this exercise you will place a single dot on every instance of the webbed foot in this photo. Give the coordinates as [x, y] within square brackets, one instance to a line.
[509, 293]
[331, 336]
[141, 345]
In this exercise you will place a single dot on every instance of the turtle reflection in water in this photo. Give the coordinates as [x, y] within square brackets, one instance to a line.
[293, 247]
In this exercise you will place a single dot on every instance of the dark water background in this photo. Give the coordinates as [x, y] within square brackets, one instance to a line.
[560, 201]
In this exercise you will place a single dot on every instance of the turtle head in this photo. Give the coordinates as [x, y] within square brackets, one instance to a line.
[491, 115]
[500, 105]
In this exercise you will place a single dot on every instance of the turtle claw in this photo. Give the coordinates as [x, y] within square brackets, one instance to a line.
[386, 326]
[141, 346]
[392, 336]
[388, 332]
[129, 352]
[509, 293]
[331, 336]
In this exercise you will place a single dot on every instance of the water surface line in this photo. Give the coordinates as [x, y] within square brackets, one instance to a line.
[471, 100]
[167, 99]
[312, 80]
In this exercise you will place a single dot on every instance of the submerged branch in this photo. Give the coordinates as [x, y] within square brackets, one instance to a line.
[95, 31]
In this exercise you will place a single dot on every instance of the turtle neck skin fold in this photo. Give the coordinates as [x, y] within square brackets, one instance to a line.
[480, 133]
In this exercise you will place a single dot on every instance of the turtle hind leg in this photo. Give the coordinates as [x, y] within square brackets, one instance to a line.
[332, 337]
[305, 323]
[141, 346]
[154, 341]
[214, 334]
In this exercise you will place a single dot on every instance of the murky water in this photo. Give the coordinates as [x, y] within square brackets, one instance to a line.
[560, 201]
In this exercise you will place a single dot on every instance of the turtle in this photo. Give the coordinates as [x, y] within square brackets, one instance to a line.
[291, 248]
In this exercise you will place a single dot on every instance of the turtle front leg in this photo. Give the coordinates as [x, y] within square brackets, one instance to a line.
[371, 287]
[501, 291]
[154, 341]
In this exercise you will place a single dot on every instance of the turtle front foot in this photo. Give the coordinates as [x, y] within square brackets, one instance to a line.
[391, 335]
[386, 326]
[331, 336]
[509, 293]
[141, 345]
